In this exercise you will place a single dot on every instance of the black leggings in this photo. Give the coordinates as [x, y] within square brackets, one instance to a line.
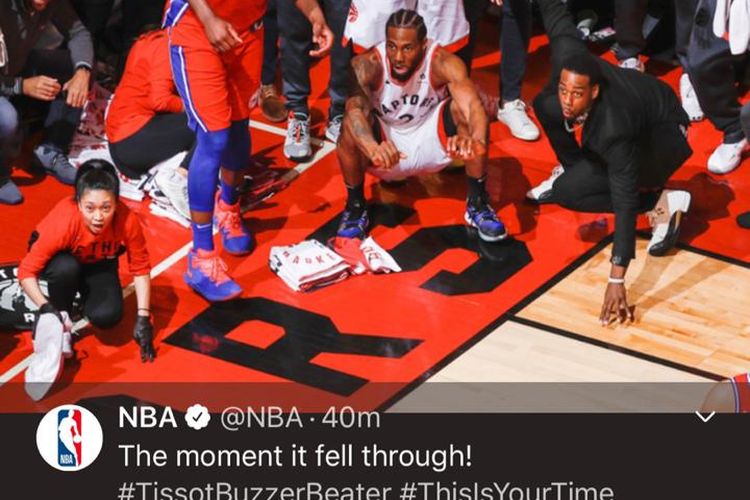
[99, 284]
[161, 138]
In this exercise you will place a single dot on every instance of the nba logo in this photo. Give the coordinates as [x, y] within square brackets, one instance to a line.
[60, 438]
[69, 437]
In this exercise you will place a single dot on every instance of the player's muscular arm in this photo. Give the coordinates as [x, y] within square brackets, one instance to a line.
[367, 74]
[450, 70]
[220, 33]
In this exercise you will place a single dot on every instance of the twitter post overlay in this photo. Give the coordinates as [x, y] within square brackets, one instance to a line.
[125, 449]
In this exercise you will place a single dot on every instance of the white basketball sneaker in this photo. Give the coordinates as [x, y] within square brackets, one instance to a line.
[543, 192]
[726, 157]
[513, 114]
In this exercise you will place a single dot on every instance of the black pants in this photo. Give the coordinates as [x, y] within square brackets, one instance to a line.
[296, 41]
[584, 187]
[137, 16]
[98, 283]
[585, 184]
[629, 16]
[711, 67]
[270, 44]
[61, 120]
[515, 32]
[161, 138]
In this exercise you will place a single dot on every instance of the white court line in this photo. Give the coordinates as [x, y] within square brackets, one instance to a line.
[326, 147]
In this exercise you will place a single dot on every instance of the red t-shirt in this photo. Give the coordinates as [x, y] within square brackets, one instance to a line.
[63, 230]
[146, 88]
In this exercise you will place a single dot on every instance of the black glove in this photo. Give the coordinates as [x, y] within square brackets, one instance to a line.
[143, 333]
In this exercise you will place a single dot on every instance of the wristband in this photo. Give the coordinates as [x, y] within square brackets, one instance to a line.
[48, 308]
[616, 281]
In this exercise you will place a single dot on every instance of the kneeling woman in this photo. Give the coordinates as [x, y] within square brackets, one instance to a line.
[76, 249]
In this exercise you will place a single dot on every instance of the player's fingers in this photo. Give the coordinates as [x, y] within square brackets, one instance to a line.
[466, 148]
[391, 151]
[317, 51]
[48, 86]
[603, 315]
[235, 37]
[451, 144]
[376, 159]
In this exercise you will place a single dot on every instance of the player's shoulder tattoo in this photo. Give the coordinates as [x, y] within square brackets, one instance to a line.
[366, 67]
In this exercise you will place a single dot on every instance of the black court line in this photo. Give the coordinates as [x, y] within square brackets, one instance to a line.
[702, 251]
[617, 348]
[511, 314]
[492, 326]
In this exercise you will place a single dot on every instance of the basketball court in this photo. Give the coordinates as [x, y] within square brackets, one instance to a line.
[462, 310]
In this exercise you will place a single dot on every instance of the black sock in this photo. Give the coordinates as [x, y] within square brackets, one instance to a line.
[477, 193]
[355, 201]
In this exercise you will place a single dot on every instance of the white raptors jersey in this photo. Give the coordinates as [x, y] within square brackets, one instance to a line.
[407, 105]
[445, 20]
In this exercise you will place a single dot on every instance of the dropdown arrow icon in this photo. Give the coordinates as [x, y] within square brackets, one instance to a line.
[705, 418]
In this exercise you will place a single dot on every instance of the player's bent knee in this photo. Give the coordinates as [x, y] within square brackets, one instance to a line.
[63, 269]
[105, 317]
[213, 143]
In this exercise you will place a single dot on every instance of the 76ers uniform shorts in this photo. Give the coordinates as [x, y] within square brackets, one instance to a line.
[215, 87]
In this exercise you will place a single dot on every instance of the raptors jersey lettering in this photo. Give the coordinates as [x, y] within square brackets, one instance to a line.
[407, 105]
[741, 387]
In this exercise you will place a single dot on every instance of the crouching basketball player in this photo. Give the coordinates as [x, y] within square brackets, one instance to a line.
[216, 51]
[412, 110]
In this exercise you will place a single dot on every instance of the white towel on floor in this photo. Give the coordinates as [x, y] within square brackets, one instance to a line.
[308, 265]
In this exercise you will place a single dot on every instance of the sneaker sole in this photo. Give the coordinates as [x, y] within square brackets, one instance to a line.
[208, 297]
[299, 159]
[244, 252]
[489, 239]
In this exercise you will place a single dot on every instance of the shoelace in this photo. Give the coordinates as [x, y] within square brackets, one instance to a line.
[298, 130]
[229, 219]
[517, 105]
[214, 268]
[337, 120]
[486, 214]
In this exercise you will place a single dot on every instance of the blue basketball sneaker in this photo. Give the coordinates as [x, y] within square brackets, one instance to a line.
[489, 227]
[207, 274]
[351, 227]
[235, 237]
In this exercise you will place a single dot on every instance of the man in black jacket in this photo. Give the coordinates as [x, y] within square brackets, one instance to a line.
[631, 133]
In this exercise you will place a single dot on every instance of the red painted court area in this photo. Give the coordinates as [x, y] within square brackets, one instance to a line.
[360, 342]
